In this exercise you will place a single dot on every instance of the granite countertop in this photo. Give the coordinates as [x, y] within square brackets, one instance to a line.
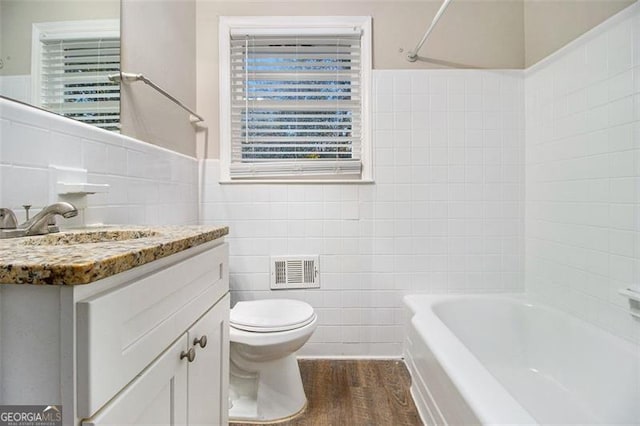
[86, 255]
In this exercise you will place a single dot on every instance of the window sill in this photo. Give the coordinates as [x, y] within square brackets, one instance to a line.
[298, 181]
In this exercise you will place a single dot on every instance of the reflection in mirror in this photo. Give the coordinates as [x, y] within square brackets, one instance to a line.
[56, 55]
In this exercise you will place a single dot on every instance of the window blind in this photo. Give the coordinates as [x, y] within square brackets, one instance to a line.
[74, 79]
[296, 105]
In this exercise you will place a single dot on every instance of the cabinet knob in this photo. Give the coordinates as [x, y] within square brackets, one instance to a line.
[190, 354]
[202, 341]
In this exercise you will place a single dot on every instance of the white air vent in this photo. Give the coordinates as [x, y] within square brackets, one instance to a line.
[295, 272]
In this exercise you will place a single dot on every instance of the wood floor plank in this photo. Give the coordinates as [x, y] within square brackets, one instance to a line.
[356, 393]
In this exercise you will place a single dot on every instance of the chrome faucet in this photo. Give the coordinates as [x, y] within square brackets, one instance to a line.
[8, 219]
[39, 224]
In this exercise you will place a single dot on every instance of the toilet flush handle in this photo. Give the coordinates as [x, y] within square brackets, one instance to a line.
[202, 341]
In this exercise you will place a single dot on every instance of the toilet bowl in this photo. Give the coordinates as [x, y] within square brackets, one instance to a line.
[265, 383]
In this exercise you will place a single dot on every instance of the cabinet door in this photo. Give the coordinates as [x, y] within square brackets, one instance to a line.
[158, 396]
[209, 372]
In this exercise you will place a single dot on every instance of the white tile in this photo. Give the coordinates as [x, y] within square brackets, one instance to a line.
[65, 150]
[94, 156]
[597, 50]
[420, 102]
[621, 111]
[598, 94]
[623, 243]
[621, 164]
[383, 82]
[474, 120]
[473, 101]
[620, 47]
[383, 121]
[457, 101]
[438, 83]
[621, 85]
[636, 45]
[25, 185]
[26, 114]
[420, 83]
[384, 102]
[439, 102]
[401, 102]
[26, 145]
[402, 83]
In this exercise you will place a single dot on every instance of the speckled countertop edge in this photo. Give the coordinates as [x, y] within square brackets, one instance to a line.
[23, 261]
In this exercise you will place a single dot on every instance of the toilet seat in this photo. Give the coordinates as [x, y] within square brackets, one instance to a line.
[271, 315]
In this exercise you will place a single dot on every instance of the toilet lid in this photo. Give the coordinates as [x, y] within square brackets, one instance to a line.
[271, 315]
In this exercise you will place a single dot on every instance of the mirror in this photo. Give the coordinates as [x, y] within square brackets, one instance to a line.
[57, 54]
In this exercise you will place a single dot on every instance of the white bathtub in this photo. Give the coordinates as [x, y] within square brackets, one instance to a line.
[502, 359]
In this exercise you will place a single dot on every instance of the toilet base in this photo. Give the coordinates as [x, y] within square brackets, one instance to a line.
[267, 422]
[265, 392]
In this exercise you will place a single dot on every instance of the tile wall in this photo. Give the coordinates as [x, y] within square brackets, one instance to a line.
[583, 175]
[148, 184]
[445, 214]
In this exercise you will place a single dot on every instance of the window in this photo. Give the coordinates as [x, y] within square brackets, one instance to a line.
[69, 67]
[294, 95]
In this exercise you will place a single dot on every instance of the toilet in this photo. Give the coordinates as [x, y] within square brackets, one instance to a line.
[265, 383]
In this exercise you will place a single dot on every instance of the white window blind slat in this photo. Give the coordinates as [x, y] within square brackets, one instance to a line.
[103, 107]
[60, 89]
[85, 31]
[295, 104]
[267, 106]
[297, 169]
[283, 115]
[238, 38]
[238, 57]
[64, 79]
[83, 59]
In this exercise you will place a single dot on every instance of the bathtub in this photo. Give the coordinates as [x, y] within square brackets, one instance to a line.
[503, 359]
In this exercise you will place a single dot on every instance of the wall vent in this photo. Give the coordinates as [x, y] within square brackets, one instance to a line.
[294, 272]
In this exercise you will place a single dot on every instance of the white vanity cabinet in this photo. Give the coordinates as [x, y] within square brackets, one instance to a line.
[177, 389]
[126, 350]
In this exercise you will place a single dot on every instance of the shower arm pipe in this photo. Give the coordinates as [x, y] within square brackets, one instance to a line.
[412, 56]
[128, 77]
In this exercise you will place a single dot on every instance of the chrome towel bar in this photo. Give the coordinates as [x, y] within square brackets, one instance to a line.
[127, 77]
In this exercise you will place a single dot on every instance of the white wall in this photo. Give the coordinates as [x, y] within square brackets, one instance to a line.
[583, 170]
[16, 87]
[159, 41]
[549, 25]
[18, 16]
[149, 185]
[445, 215]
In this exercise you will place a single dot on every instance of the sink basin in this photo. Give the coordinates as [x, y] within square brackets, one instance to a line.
[69, 238]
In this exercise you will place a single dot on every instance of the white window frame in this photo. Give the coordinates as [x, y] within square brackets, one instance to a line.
[294, 24]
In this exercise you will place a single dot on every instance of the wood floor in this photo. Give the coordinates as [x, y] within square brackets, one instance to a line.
[356, 393]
